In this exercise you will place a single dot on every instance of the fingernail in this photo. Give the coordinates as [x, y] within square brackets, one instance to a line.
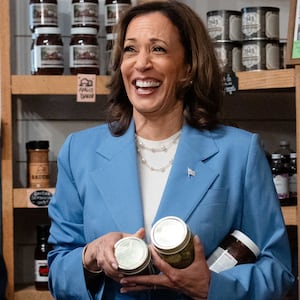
[123, 281]
[115, 266]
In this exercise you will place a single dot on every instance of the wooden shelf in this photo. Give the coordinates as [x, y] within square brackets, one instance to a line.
[289, 214]
[66, 85]
[52, 85]
[30, 293]
[271, 79]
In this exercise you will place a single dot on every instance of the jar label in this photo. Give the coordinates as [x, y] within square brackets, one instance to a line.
[41, 270]
[84, 56]
[50, 56]
[221, 260]
[38, 175]
[43, 14]
[113, 13]
[251, 23]
[85, 13]
[293, 185]
[281, 185]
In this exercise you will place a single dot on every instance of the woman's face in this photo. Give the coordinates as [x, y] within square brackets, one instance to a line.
[152, 64]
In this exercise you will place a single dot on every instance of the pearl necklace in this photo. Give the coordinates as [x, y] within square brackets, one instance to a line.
[163, 148]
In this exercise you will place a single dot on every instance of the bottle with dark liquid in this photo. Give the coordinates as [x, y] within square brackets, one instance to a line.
[293, 179]
[40, 257]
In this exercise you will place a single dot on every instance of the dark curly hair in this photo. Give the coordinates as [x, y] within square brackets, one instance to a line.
[201, 92]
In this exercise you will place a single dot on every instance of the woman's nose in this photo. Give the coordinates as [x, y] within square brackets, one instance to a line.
[143, 61]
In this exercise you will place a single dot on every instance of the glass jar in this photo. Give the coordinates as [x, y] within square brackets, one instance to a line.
[42, 13]
[37, 164]
[173, 241]
[47, 56]
[236, 248]
[84, 51]
[85, 13]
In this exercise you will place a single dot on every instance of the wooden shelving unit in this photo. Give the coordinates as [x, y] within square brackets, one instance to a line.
[11, 85]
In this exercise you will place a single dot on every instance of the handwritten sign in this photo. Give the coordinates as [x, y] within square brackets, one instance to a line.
[86, 88]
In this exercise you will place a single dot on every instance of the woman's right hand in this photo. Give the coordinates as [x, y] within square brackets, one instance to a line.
[99, 254]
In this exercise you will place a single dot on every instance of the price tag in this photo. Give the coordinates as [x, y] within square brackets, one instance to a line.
[86, 88]
[39, 198]
[230, 83]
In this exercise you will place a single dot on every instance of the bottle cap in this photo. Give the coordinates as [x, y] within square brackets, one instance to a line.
[246, 241]
[47, 30]
[37, 145]
[84, 30]
[276, 155]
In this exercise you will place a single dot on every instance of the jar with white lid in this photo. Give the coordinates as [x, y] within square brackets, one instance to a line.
[47, 56]
[133, 256]
[84, 51]
[236, 248]
[173, 241]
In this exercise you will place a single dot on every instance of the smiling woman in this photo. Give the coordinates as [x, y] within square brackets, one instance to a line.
[164, 153]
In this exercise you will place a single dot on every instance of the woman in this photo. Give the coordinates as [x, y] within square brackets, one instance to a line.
[164, 153]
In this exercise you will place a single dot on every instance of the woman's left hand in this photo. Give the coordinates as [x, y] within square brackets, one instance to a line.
[192, 281]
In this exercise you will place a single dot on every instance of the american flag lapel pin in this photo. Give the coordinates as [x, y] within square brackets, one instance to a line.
[191, 173]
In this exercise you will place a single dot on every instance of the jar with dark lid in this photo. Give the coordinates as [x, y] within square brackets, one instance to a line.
[85, 13]
[40, 257]
[84, 51]
[37, 164]
[236, 248]
[133, 256]
[47, 52]
[173, 241]
[113, 11]
[42, 13]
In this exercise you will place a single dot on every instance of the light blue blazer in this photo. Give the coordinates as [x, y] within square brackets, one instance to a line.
[98, 192]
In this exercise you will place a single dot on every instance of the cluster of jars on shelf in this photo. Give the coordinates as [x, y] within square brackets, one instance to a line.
[47, 50]
[284, 169]
[248, 39]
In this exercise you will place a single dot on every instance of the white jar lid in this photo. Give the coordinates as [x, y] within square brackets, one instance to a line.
[84, 30]
[131, 252]
[246, 241]
[47, 30]
[168, 233]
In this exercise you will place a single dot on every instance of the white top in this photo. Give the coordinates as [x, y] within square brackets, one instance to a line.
[153, 182]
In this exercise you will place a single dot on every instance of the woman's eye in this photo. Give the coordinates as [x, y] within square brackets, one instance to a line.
[128, 49]
[159, 49]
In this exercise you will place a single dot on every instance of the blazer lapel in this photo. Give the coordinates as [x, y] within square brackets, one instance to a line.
[119, 186]
[190, 178]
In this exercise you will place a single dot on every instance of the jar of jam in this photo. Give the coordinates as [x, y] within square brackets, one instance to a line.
[84, 51]
[47, 52]
[236, 248]
[173, 241]
[113, 11]
[85, 13]
[37, 164]
[133, 256]
[42, 13]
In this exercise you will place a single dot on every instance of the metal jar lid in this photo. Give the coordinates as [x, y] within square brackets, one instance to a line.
[131, 253]
[169, 233]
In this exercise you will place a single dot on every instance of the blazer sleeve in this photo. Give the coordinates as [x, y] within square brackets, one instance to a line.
[270, 277]
[66, 275]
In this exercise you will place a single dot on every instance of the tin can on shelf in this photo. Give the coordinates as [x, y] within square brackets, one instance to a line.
[173, 241]
[133, 256]
[224, 24]
[229, 55]
[236, 248]
[260, 55]
[260, 22]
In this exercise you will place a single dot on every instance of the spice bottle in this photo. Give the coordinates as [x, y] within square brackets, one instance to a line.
[40, 257]
[37, 164]
[173, 241]
[237, 248]
[42, 13]
[85, 13]
[285, 150]
[47, 56]
[280, 178]
[84, 51]
[133, 256]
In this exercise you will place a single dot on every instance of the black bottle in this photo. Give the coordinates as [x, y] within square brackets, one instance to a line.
[40, 257]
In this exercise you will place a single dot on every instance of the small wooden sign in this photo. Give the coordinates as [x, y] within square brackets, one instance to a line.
[86, 88]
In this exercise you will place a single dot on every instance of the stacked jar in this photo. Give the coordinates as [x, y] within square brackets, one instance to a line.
[84, 48]
[113, 11]
[47, 46]
[260, 32]
[224, 27]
